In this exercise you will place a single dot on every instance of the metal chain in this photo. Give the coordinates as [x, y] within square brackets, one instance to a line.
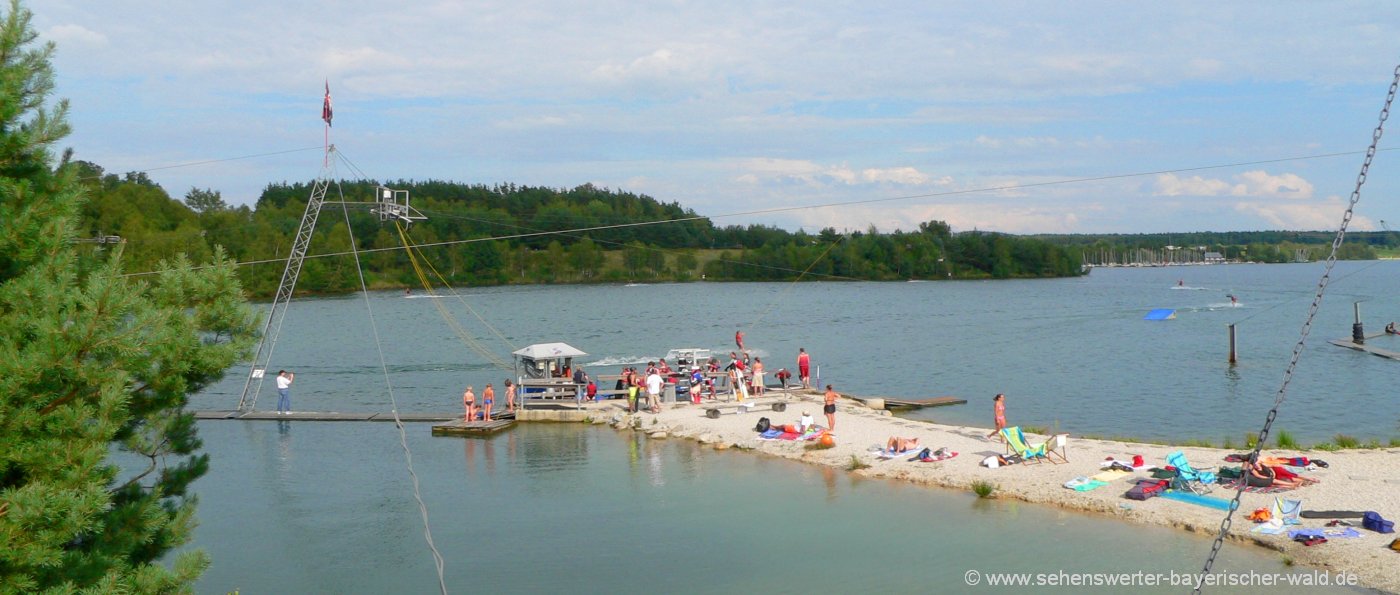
[1307, 327]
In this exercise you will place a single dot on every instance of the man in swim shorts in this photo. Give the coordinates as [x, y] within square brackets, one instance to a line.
[469, 402]
[830, 407]
[488, 396]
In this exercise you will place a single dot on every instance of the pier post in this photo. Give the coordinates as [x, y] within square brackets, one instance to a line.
[1358, 334]
[1232, 344]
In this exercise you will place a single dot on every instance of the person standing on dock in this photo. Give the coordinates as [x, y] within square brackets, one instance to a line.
[510, 395]
[284, 391]
[999, 413]
[654, 383]
[804, 368]
[469, 403]
[829, 408]
[488, 396]
[757, 377]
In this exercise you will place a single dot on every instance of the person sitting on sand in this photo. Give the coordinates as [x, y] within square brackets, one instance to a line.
[897, 444]
[805, 422]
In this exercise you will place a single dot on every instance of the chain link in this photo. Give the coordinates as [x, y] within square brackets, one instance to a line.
[1307, 326]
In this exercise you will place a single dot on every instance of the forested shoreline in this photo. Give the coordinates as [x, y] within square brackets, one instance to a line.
[508, 234]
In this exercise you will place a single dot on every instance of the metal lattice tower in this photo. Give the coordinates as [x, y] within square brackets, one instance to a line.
[388, 204]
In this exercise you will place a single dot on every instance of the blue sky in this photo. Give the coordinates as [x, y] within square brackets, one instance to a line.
[734, 107]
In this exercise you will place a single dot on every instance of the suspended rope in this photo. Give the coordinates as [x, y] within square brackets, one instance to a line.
[785, 291]
[1307, 325]
[394, 403]
[467, 338]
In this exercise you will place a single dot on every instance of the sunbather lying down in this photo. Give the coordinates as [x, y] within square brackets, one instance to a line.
[1260, 475]
[898, 444]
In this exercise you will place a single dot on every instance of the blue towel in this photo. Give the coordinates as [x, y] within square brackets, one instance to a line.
[1328, 532]
[771, 434]
[1207, 501]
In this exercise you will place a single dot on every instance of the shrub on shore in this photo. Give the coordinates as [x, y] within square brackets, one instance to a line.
[1286, 441]
[1345, 441]
[856, 464]
[983, 489]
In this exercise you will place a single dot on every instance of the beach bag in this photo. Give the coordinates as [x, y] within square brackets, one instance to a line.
[1395, 544]
[763, 425]
[1146, 488]
[1374, 522]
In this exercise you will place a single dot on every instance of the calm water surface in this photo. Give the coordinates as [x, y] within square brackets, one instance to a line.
[326, 507]
[299, 507]
[1072, 353]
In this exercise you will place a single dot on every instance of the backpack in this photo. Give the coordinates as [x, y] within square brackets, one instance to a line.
[763, 425]
[1146, 488]
[1374, 522]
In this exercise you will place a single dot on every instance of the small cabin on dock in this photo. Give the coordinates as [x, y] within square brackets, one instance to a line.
[544, 371]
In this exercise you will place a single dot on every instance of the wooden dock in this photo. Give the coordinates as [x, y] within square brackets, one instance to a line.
[333, 416]
[472, 428]
[894, 403]
[1366, 348]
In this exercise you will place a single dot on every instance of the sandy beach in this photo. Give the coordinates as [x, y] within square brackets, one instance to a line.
[1359, 480]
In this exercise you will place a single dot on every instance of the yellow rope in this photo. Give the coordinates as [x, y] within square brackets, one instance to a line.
[442, 310]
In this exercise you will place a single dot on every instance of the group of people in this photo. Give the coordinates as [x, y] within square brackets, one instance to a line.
[652, 381]
[488, 399]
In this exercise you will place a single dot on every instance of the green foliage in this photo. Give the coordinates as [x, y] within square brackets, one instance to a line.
[1345, 441]
[96, 451]
[856, 464]
[1285, 440]
[983, 489]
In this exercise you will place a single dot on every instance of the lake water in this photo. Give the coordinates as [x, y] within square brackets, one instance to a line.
[327, 507]
[1069, 353]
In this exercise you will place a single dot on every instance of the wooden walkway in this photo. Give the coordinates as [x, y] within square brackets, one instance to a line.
[1366, 348]
[892, 403]
[334, 416]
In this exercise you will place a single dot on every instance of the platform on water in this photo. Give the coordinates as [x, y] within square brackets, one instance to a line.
[897, 403]
[461, 427]
[1366, 348]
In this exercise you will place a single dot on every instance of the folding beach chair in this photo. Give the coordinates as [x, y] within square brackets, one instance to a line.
[1055, 445]
[1188, 478]
[1016, 443]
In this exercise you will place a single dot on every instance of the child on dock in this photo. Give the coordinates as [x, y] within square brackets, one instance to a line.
[469, 403]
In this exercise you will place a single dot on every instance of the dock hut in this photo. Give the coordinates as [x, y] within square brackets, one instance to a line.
[540, 370]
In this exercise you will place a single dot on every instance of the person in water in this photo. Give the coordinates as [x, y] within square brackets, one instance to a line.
[1390, 329]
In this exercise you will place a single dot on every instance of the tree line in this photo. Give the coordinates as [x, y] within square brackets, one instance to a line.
[489, 235]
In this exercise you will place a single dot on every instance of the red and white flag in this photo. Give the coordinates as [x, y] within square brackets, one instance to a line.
[326, 107]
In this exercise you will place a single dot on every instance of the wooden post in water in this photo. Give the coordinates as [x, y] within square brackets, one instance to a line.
[1232, 344]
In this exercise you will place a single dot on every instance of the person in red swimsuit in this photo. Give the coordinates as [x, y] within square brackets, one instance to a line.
[804, 367]
[739, 339]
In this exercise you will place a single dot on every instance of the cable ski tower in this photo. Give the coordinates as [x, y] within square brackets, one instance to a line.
[388, 203]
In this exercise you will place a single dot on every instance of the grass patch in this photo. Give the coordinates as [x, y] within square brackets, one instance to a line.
[1250, 440]
[1374, 443]
[1200, 442]
[1286, 441]
[1228, 444]
[1326, 446]
[983, 489]
[856, 464]
[1042, 430]
[1394, 442]
[1345, 441]
[1287, 560]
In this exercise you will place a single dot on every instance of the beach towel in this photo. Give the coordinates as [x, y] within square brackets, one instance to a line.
[771, 434]
[1110, 475]
[1084, 484]
[886, 455]
[1198, 499]
[1234, 484]
[1328, 532]
[936, 457]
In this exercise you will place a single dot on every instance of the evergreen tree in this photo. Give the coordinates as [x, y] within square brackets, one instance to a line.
[96, 450]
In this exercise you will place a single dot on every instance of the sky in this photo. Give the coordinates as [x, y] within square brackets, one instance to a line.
[1018, 117]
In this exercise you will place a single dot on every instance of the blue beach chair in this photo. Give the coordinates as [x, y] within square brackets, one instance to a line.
[1188, 478]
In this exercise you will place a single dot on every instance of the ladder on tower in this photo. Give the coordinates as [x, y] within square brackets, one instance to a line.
[388, 204]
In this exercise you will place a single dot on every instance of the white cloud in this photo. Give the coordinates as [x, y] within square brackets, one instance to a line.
[76, 35]
[1256, 183]
[1326, 215]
